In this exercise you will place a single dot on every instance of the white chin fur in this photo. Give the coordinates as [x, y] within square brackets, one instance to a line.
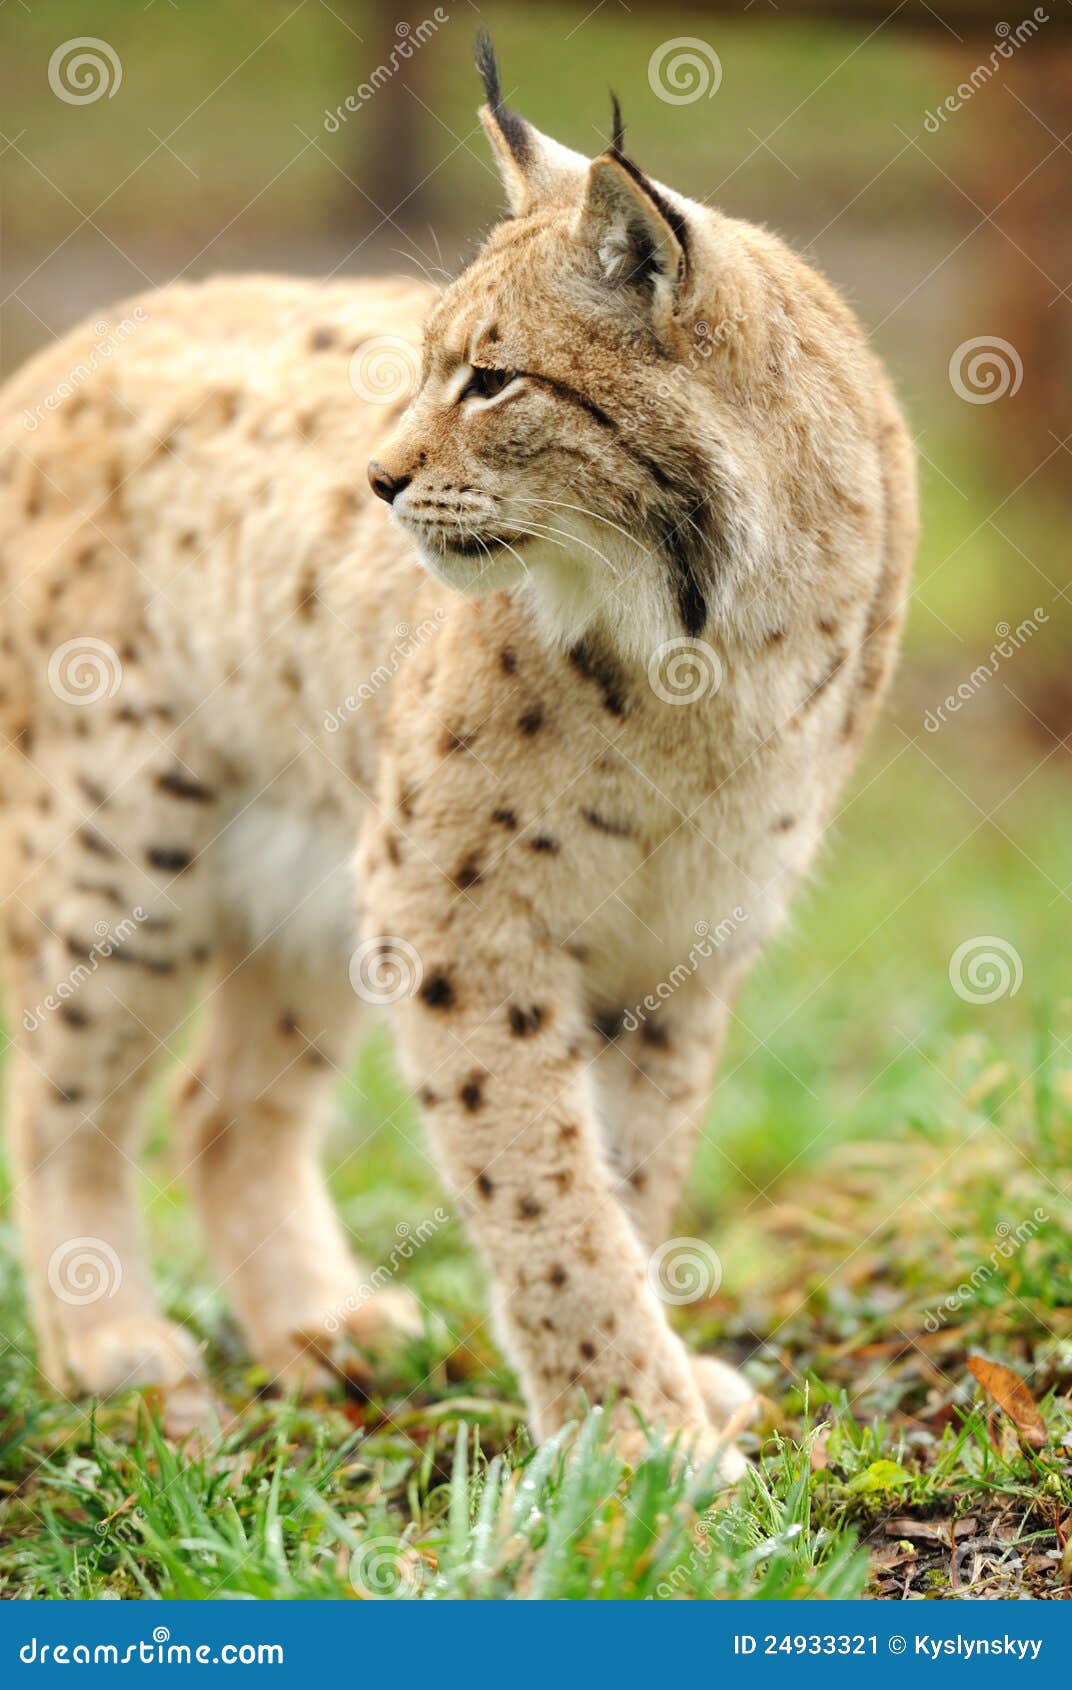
[489, 572]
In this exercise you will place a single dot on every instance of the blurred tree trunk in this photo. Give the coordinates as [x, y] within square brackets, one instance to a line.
[390, 161]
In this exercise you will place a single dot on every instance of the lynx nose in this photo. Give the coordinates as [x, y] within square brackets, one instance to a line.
[385, 485]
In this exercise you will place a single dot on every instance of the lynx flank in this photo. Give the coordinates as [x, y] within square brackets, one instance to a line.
[535, 745]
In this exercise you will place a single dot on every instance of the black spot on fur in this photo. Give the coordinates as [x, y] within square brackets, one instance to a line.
[508, 660]
[601, 670]
[472, 1093]
[531, 721]
[178, 785]
[603, 824]
[323, 338]
[437, 991]
[544, 842]
[525, 1021]
[528, 1208]
[467, 874]
[609, 1023]
[558, 1276]
[484, 1185]
[73, 1016]
[95, 842]
[505, 818]
[171, 858]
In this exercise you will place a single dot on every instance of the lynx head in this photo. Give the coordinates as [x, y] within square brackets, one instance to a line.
[574, 434]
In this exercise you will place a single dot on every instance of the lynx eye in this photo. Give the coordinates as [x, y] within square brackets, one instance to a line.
[486, 384]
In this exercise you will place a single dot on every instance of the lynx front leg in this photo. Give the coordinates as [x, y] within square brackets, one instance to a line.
[490, 1038]
[653, 1081]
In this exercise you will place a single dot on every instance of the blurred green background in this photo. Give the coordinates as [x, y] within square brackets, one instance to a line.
[212, 153]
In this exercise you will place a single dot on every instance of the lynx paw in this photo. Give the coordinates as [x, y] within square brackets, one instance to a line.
[727, 1395]
[698, 1444]
[124, 1354]
[338, 1349]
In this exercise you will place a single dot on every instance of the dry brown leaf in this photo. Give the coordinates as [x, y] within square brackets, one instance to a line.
[930, 1531]
[1011, 1394]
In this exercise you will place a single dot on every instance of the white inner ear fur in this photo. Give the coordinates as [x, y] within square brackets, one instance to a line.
[618, 218]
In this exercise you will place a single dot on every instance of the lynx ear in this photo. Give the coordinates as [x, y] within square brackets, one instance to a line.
[639, 239]
[533, 167]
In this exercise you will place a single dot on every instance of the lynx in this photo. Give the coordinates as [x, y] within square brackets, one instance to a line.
[518, 704]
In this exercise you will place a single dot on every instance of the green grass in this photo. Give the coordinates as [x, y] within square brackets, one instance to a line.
[874, 1143]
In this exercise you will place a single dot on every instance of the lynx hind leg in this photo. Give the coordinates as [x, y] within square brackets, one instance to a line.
[653, 1079]
[95, 984]
[253, 1115]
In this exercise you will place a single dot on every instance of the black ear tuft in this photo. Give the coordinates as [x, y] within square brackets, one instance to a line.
[617, 139]
[513, 129]
[488, 67]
